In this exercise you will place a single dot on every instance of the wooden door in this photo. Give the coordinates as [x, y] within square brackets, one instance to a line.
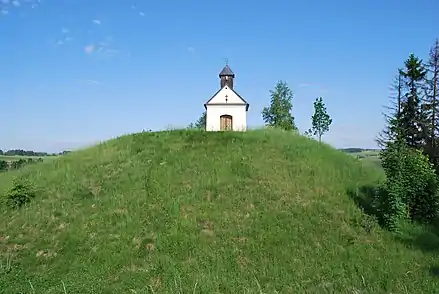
[226, 122]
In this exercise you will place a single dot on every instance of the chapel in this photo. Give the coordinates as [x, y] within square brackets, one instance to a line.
[226, 110]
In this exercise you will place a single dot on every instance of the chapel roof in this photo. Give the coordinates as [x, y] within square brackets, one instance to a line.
[240, 97]
[226, 71]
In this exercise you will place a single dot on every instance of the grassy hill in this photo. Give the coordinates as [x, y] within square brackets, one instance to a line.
[197, 212]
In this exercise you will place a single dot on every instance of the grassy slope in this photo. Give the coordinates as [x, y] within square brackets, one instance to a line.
[219, 212]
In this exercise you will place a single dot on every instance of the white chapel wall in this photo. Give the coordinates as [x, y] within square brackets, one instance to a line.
[238, 113]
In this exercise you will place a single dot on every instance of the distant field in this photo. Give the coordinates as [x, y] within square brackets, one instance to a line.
[17, 157]
[370, 155]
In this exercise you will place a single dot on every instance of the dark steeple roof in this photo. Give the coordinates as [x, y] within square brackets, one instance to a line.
[226, 71]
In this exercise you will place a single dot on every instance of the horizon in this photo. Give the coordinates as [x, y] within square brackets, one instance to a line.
[76, 73]
[100, 142]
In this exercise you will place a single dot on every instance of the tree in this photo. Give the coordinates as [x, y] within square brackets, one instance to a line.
[431, 103]
[21, 152]
[320, 119]
[389, 133]
[412, 118]
[200, 123]
[4, 165]
[411, 186]
[16, 164]
[278, 114]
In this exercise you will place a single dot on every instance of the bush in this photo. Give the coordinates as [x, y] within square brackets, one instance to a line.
[20, 194]
[4, 165]
[410, 188]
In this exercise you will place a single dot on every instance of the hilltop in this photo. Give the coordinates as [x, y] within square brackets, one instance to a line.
[198, 212]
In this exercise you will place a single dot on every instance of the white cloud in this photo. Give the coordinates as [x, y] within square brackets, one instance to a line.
[141, 13]
[109, 52]
[96, 21]
[320, 88]
[89, 81]
[93, 82]
[103, 49]
[89, 49]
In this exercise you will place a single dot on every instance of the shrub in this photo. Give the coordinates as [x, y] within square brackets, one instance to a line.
[421, 184]
[4, 165]
[20, 194]
[410, 190]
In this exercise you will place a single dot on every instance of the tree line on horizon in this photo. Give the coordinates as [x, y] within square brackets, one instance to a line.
[17, 164]
[410, 144]
[21, 152]
[25, 157]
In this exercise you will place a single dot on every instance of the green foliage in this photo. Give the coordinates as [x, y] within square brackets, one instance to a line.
[430, 105]
[392, 126]
[4, 165]
[308, 133]
[18, 163]
[20, 194]
[412, 118]
[278, 114]
[422, 187]
[410, 188]
[320, 119]
[200, 123]
[391, 203]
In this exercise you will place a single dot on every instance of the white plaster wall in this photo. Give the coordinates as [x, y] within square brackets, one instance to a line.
[238, 113]
[231, 97]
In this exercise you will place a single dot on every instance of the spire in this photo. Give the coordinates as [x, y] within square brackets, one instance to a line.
[226, 71]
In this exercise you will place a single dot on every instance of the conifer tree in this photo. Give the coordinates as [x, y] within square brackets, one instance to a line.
[411, 116]
[411, 184]
[431, 103]
[389, 133]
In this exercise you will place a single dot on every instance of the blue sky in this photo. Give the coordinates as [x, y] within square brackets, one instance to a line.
[74, 72]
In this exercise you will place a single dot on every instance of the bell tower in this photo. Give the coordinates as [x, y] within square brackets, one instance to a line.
[226, 76]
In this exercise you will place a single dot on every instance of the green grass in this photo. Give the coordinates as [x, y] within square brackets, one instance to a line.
[197, 212]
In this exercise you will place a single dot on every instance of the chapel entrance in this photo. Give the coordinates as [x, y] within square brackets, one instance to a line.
[226, 122]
